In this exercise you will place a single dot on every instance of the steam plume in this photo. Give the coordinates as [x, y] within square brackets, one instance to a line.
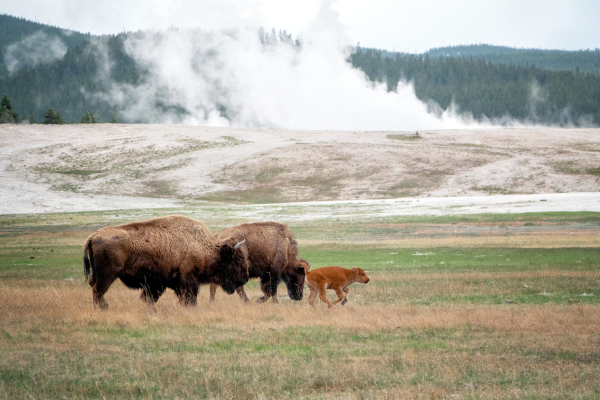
[33, 50]
[242, 78]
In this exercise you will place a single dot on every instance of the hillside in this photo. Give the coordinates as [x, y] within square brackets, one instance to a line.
[32, 37]
[43, 167]
[497, 91]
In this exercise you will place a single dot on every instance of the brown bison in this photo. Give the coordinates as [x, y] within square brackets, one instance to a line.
[336, 278]
[174, 252]
[272, 256]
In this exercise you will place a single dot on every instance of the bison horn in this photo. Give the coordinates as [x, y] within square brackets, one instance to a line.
[237, 246]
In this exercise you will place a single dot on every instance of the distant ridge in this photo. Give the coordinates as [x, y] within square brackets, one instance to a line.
[554, 60]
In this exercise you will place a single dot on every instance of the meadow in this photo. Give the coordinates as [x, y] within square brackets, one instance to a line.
[458, 307]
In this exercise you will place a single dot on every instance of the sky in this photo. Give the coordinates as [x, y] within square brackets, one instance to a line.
[407, 25]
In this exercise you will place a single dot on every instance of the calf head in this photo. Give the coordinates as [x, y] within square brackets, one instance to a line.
[294, 279]
[360, 276]
[233, 264]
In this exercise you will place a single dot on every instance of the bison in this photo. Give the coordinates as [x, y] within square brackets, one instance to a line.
[336, 278]
[272, 254]
[174, 252]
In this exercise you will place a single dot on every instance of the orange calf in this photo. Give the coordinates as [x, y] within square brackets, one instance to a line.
[336, 278]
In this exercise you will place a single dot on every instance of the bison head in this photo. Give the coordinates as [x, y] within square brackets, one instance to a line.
[233, 264]
[294, 279]
[360, 276]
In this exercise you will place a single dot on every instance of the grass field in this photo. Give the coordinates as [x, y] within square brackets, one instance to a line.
[479, 306]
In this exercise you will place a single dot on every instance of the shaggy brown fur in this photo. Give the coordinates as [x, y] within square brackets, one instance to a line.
[272, 253]
[174, 252]
[336, 278]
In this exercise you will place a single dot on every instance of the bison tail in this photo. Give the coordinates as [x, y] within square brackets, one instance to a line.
[88, 256]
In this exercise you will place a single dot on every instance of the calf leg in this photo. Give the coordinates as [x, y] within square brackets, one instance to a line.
[323, 296]
[346, 290]
[313, 295]
[340, 296]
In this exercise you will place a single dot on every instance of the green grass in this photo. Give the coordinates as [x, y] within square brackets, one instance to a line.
[437, 260]
[78, 172]
[308, 362]
[404, 137]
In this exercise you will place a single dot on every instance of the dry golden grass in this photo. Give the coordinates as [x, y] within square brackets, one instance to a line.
[536, 240]
[364, 351]
[28, 307]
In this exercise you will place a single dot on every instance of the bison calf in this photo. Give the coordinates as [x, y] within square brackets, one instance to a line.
[174, 252]
[336, 278]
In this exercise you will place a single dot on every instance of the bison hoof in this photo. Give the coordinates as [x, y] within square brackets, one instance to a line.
[344, 301]
[102, 304]
[262, 299]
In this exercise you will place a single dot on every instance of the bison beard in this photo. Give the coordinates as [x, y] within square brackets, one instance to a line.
[272, 256]
[174, 252]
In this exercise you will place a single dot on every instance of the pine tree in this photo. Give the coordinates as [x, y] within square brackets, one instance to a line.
[7, 116]
[90, 118]
[53, 119]
[58, 119]
[31, 119]
[49, 117]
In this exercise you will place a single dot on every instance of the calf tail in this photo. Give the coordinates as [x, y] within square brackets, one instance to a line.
[88, 257]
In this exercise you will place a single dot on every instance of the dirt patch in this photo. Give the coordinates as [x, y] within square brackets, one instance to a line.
[305, 172]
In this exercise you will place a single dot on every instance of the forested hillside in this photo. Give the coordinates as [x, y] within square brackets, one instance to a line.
[493, 90]
[63, 84]
[13, 31]
[489, 82]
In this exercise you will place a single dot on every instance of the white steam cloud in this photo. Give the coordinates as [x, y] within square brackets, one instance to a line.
[235, 78]
[33, 50]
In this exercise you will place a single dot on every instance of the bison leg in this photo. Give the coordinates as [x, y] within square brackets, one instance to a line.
[187, 293]
[340, 295]
[346, 291]
[151, 294]
[213, 291]
[102, 283]
[268, 285]
[240, 290]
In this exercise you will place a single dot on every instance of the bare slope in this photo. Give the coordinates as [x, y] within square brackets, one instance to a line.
[120, 166]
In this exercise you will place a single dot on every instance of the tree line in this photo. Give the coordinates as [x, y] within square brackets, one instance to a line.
[490, 90]
[8, 116]
[553, 60]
